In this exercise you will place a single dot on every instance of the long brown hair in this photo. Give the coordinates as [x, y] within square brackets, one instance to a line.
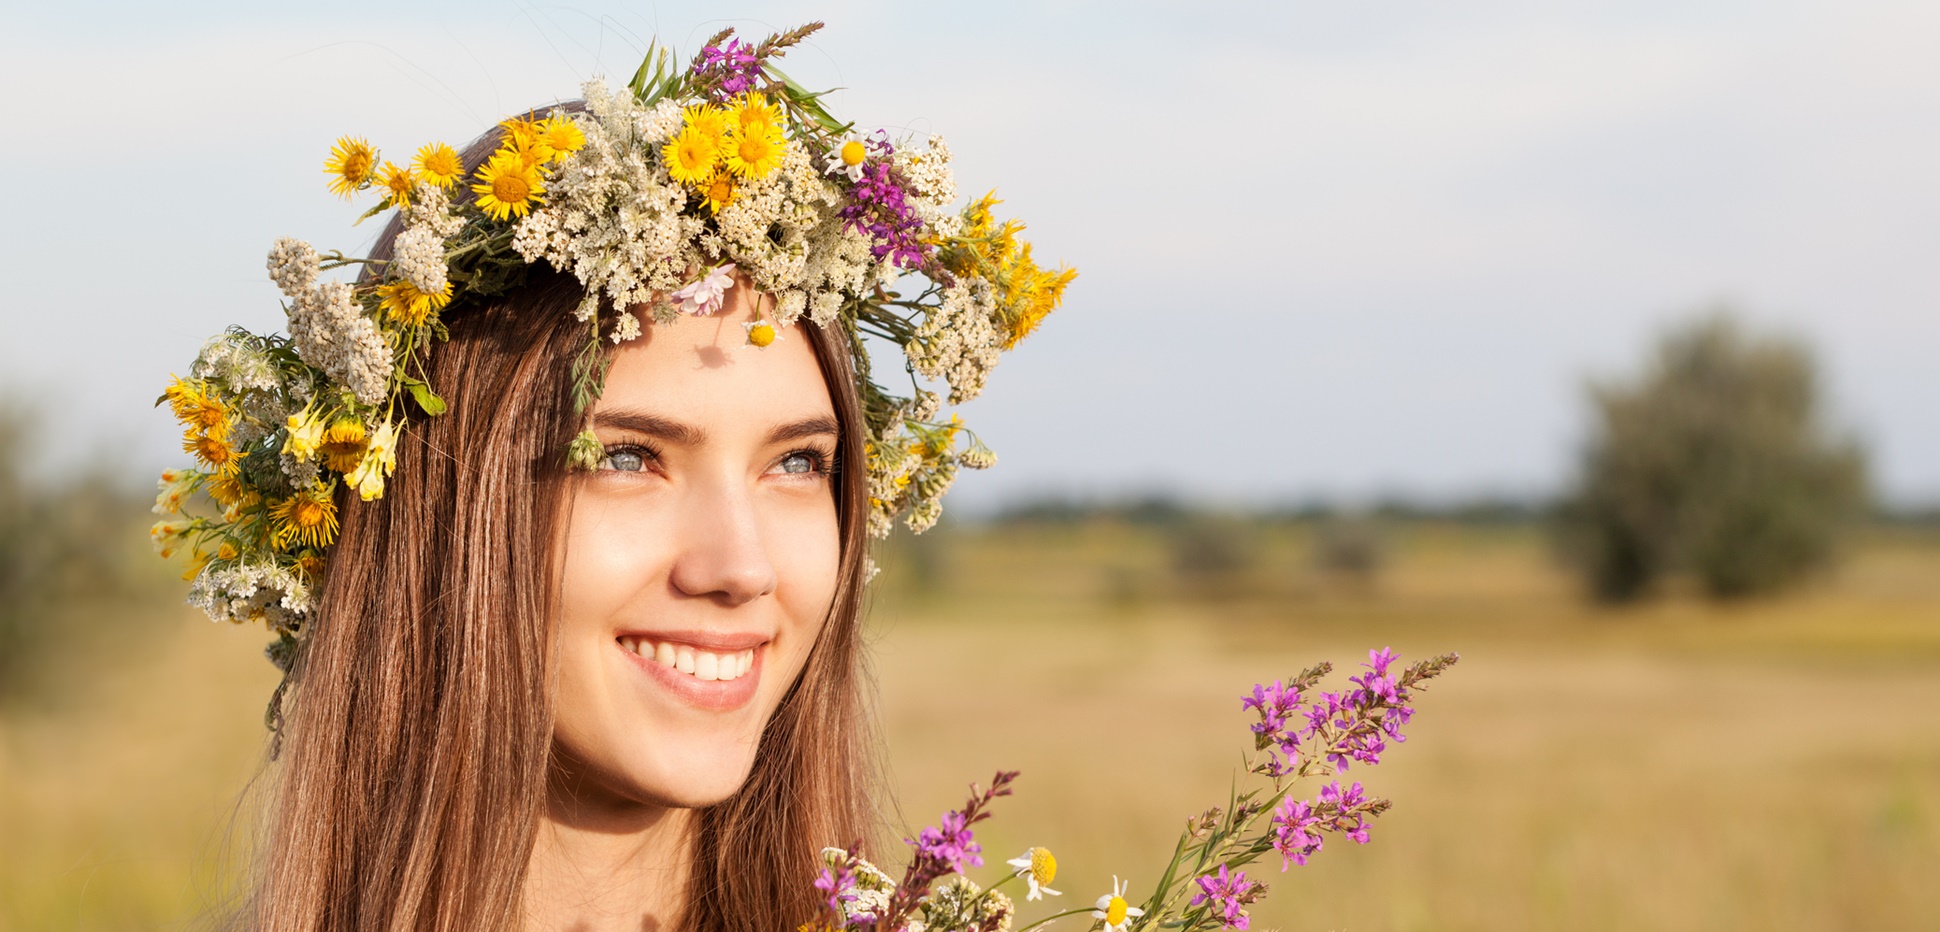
[419, 721]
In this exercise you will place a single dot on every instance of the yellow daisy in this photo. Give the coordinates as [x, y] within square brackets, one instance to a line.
[351, 163]
[226, 490]
[526, 136]
[708, 118]
[438, 164]
[343, 445]
[561, 135]
[407, 305]
[754, 155]
[508, 186]
[718, 192]
[307, 519]
[222, 458]
[397, 182]
[754, 115]
[690, 155]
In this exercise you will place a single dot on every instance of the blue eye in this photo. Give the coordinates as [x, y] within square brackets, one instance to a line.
[624, 459]
[800, 462]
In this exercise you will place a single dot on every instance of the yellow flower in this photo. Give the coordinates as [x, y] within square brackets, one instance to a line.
[754, 115]
[690, 156]
[508, 186]
[754, 155]
[710, 120]
[350, 165]
[224, 459]
[343, 444]
[397, 181]
[306, 434]
[719, 191]
[198, 410]
[368, 478]
[561, 135]
[438, 164]
[407, 305]
[1113, 909]
[309, 563]
[227, 551]
[226, 490]
[308, 518]
[167, 535]
[526, 136]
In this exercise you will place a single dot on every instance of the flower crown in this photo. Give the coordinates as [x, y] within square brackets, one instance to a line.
[655, 196]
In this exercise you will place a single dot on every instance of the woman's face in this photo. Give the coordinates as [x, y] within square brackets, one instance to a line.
[699, 561]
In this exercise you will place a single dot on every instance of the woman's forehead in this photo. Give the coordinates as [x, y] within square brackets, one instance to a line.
[704, 371]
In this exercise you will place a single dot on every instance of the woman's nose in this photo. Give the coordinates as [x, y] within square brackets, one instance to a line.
[722, 554]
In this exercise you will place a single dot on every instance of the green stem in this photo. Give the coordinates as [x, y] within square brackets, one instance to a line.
[1053, 916]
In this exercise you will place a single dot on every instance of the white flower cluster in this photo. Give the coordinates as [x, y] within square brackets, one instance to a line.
[327, 326]
[617, 221]
[252, 592]
[959, 342]
[613, 216]
[418, 253]
[959, 903]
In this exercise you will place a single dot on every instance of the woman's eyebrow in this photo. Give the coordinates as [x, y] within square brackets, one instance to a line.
[652, 425]
[806, 427]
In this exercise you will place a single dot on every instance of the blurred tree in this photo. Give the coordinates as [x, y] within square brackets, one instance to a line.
[1212, 555]
[63, 546]
[1350, 548]
[1716, 462]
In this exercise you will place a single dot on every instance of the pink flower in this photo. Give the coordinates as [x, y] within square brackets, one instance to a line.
[705, 295]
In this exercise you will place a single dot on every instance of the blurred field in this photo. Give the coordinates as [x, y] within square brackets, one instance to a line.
[1768, 765]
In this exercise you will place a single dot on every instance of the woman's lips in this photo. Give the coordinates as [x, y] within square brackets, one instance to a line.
[718, 674]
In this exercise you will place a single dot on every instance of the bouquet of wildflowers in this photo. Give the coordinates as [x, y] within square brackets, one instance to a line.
[1301, 734]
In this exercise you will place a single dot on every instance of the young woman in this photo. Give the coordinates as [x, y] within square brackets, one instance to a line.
[622, 699]
[559, 511]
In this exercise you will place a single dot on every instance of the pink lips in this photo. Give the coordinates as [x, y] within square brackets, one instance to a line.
[733, 661]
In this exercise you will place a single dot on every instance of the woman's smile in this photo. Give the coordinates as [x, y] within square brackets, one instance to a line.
[713, 671]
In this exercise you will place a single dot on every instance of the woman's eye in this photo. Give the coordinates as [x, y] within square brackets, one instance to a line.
[800, 462]
[624, 460]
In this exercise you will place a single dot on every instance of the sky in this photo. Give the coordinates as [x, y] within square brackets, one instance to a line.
[1326, 250]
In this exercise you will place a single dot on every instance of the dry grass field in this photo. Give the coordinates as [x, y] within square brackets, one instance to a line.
[1677, 766]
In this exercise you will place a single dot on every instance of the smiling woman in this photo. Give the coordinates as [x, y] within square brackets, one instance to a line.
[690, 732]
[558, 512]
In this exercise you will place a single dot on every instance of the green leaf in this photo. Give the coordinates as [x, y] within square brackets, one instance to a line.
[426, 398]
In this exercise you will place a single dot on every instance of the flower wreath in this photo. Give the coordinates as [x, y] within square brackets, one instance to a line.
[655, 197]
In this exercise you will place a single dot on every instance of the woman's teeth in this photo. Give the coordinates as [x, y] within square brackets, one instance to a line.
[700, 664]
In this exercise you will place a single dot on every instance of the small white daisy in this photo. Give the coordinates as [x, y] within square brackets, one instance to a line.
[1038, 868]
[761, 333]
[847, 157]
[1113, 909]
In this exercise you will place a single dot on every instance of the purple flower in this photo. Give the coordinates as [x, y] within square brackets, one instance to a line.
[839, 884]
[1274, 703]
[1294, 832]
[1227, 892]
[1344, 803]
[733, 63]
[879, 207]
[950, 845]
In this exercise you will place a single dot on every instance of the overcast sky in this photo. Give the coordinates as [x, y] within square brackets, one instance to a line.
[1337, 249]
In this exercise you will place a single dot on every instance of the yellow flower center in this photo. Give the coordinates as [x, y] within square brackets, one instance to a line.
[1044, 867]
[852, 153]
[510, 189]
[357, 166]
[1115, 911]
[307, 514]
[754, 149]
[720, 190]
[763, 334]
[443, 163]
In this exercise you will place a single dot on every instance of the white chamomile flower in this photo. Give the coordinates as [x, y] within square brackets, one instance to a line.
[1038, 868]
[1113, 909]
[761, 333]
[847, 157]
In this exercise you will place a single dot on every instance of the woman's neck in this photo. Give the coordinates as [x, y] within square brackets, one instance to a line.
[600, 862]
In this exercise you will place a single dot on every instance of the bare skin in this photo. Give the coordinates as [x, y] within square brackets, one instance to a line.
[697, 568]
